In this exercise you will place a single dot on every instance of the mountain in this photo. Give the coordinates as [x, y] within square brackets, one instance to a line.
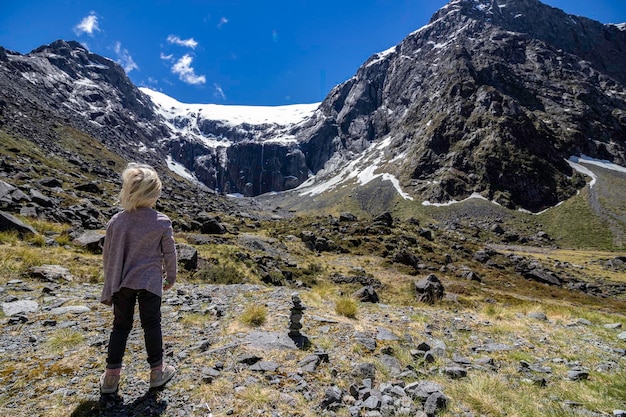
[491, 98]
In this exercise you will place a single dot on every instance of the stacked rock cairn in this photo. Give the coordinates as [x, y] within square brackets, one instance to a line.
[295, 316]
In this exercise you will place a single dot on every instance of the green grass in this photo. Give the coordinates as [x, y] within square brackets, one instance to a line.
[219, 274]
[574, 225]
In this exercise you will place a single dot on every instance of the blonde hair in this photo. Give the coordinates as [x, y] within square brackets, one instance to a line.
[141, 187]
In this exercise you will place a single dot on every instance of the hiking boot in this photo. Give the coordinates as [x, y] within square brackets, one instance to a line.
[109, 383]
[160, 377]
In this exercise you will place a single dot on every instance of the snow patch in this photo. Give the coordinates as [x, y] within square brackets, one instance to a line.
[231, 114]
[449, 203]
[577, 161]
[361, 168]
[380, 56]
[180, 169]
[620, 26]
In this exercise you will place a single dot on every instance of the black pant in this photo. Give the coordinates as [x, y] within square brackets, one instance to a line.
[150, 314]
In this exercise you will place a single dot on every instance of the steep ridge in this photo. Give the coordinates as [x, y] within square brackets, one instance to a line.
[65, 83]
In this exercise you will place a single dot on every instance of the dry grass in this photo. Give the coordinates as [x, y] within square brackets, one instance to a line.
[65, 338]
[347, 307]
[254, 315]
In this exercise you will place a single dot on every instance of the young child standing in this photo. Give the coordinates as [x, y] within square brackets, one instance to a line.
[138, 246]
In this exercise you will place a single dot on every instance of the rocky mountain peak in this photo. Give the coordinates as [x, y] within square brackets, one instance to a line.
[586, 38]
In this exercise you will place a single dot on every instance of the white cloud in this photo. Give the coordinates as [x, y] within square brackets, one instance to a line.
[222, 22]
[167, 57]
[124, 58]
[189, 43]
[88, 25]
[219, 93]
[185, 71]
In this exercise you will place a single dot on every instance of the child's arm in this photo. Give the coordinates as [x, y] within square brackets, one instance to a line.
[168, 246]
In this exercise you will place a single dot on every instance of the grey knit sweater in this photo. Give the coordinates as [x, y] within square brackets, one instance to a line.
[138, 248]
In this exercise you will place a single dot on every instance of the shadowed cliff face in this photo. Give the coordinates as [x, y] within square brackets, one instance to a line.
[489, 97]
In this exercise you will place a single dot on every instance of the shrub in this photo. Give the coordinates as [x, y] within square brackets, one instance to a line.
[254, 315]
[219, 274]
[65, 338]
[346, 306]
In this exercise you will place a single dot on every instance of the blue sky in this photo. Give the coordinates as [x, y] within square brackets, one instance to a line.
[248, 52]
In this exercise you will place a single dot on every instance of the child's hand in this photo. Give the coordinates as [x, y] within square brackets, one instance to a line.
[167, 285]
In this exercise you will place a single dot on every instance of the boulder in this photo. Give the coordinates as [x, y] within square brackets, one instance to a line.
[50, 182]
[92, 240]
[211, 225]
[90, 187]
[429, 290]
[38, 198]
[366, 294]
[19, 307]
[12, 223]
[50, 273]
[384, 219]
[187, 257]
[406, 257]
[347, 217]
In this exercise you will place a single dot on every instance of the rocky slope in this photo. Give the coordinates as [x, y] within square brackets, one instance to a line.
[403, 368]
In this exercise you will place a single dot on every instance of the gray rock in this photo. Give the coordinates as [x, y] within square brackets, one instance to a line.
[392, 363]
[269, 340]
[332, 398]
[209, 375]
[50, 273]
[364, 371]
[367, 342]
[187, 257]
[50, 182]
[577, 375]
[455, 372]
[493, 347]
[347, 217]
[210, 225]
[19, 307]
[9, 223]
[92, 240]
[366, 295]
[538, 316]
[264, 366]
[309, 363]
[371, 403]
[384, 219]
[429, 290]
[40, 199]
[385, 334]
[69, 309]
[436, 401]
